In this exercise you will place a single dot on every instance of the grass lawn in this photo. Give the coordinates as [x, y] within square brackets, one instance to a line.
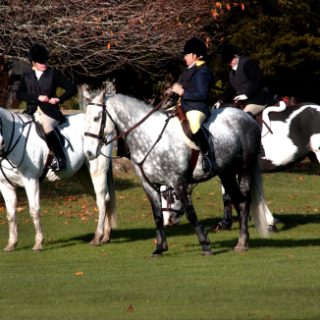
[278, 278]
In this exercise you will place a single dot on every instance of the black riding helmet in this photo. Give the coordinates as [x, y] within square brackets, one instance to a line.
[228, 52]
[196, 46]
[38, 53]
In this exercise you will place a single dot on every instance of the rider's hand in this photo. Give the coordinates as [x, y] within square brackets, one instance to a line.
[178, 89]
[43, 98]
[54, 100]
[240, 97]
[218, 104]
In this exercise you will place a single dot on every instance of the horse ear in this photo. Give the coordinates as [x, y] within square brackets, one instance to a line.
[85, 91]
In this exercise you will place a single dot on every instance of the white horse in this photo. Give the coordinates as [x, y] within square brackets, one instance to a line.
[23, 154]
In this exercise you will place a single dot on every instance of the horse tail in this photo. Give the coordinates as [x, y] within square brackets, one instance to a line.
[260, 213]
[111, 195]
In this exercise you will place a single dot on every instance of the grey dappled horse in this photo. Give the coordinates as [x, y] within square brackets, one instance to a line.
[161, 156]
[23, 154]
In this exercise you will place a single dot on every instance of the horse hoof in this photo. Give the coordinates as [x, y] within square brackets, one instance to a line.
[241, 248]
[105, 240]
[222, 226]
[9, 248]
[37, 248]
[94, 243]
[273, 228]
[207, 253]
[156, 255]
[159, 250]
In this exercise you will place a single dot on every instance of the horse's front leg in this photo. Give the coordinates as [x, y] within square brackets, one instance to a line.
[33, 194]
[186, 200]
[10, 198]
[102, 179]
[155, 200]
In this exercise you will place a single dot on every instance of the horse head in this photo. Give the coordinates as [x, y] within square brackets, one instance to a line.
[97, 123]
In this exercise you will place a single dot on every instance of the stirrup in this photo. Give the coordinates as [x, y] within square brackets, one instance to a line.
[207, 164]
[57, 164]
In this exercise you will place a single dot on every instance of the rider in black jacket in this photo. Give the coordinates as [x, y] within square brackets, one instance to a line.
[246, 83]
[38, 88]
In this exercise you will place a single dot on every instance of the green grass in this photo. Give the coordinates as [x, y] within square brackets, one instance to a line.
[278, 278]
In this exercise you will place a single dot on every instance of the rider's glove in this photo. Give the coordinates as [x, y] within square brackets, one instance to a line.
[240, 97]
[218, 104]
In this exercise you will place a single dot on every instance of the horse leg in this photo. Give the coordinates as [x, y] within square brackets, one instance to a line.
[185, 197]
[155, 201]
[226, 223]
[96, 182]
[240, 196]
[33, 193]
[10, 198]
[110, 199]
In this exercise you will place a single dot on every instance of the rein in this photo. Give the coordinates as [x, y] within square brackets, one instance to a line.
[105, 112]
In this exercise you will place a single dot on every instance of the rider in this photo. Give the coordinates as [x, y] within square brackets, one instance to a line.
[38, 88]
[193, 88]
[246, 85]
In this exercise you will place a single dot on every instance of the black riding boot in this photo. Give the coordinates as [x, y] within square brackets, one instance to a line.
[59, 161]
[202, 142]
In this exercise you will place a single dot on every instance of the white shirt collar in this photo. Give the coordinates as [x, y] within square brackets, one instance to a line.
[38, 73]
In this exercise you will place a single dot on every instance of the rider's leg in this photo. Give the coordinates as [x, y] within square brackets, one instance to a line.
[195, 119]
[59, 161]
[254, 109]
[53, 142]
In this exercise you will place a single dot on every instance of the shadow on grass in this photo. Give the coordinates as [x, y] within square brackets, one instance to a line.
[288, 222]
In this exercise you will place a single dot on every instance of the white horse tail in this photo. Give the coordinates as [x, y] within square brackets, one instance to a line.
[111, 195]
[259, 211]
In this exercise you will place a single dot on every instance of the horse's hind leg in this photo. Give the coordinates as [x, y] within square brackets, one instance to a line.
[186, 200]
[226, 223]
[10, 198]
[240, 196]
[33, 194]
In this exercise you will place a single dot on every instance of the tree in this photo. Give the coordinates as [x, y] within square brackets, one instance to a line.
[284, 36]
[92, 38]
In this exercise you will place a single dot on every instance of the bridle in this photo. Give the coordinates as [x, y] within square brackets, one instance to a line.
[105, 113]
[100, 136]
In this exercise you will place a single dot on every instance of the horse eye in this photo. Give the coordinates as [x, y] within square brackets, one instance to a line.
[96, 118]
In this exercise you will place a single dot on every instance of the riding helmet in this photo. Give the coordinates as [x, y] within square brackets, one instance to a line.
[38, 53]
[227, 52]
[197, 46]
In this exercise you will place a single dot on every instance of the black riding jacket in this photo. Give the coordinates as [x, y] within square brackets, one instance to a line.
[31, 88]
[248, 80]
